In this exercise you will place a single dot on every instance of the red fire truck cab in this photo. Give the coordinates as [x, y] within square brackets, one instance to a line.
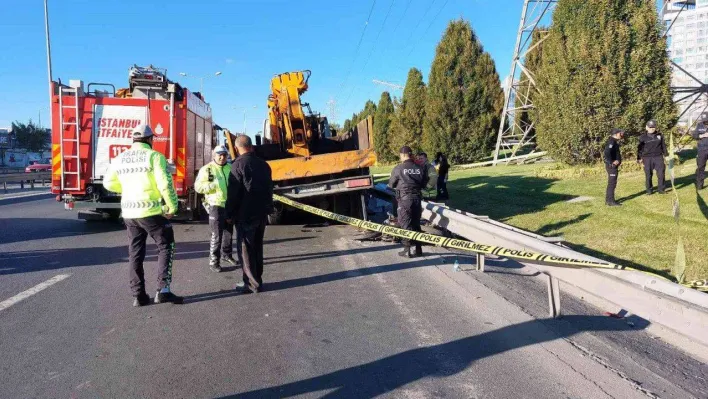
[92, 125]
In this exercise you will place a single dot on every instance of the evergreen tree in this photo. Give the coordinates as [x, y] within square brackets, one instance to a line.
[604, 65]
[407, 124]
[465, 97]
[30, 136]
[382, 125]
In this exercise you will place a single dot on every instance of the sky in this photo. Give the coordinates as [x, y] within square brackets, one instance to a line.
[247, 41]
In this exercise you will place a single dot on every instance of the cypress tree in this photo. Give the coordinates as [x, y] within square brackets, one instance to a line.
[604, 65]
[465, 97]
[382, 124]
[407, 124]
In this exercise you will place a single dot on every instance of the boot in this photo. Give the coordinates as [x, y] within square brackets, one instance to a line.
[406, 252]
[418, 250]
[162, 297]
[141, 299]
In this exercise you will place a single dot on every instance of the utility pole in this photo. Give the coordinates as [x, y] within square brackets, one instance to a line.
[332, 104]
[49, 60]
[515, 134]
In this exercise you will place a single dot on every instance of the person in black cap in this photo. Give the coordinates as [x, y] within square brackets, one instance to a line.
[700, 133]
[613, 159]
[408, 179]
[651, 153]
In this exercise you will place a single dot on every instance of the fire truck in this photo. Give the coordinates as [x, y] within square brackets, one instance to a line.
[92, 125]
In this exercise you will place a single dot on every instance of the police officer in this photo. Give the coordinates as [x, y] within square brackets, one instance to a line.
[651, 153]
[212, 181]
[613, 159]
[140, 175]
[700, 133]
[408, 179]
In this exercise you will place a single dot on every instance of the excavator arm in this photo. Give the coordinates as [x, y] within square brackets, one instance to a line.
[288, 122]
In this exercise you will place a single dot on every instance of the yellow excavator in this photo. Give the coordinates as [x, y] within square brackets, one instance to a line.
[310, 162]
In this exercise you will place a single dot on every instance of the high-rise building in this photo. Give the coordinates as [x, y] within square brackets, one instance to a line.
[687, 21]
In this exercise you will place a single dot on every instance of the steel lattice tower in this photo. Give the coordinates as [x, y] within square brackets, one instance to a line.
[514, 133]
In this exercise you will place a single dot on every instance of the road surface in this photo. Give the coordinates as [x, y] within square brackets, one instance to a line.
[338, 318]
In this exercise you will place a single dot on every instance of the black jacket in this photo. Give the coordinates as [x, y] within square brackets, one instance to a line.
[444, 168]
[250, 190]
[651, 145]
[702, 142]
[408, 179]
[612, 151]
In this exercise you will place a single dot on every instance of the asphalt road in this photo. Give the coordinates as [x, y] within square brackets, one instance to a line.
[338, 318]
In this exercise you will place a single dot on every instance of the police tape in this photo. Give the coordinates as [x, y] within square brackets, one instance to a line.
[469, 246]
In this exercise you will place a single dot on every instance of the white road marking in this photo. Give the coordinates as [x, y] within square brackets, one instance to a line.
[28, 293]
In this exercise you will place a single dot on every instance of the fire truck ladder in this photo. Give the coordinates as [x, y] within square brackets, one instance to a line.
[72, 142]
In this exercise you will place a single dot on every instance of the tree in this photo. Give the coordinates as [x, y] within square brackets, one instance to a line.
[347, 126]
[407, 124]
[382, 125]
[465, 97]
[30, 137]
[604, 65]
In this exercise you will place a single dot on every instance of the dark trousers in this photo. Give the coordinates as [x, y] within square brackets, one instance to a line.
[654, 164]
[612, 175]
[701, 167]
[442, 189]
[252, 233]
[220, 243]
[409, 213]
[160, 229]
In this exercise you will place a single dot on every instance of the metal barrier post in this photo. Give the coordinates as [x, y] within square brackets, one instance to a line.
[22, 184]
[4, 186]
[480, 262]
[554, 308]
[32, 184]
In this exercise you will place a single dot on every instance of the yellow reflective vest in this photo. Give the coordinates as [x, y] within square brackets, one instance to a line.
[214, 188]
[140, 175]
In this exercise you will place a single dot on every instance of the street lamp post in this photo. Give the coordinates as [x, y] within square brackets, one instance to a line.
[244, 115]
[201, 79]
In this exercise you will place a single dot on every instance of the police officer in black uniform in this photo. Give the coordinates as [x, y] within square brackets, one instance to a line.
[651, 153]
[408, 179]
[613, 159]
[700, 133]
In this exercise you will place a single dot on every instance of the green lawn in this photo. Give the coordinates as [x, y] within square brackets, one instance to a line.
[642, 233]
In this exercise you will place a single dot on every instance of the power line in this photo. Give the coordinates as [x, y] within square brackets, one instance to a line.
[421, 20]
[428, 28]
[402, 16]
[358, 46]
[368, 57]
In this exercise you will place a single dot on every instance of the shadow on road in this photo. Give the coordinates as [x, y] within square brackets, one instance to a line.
[319, 279]
[273, 260]
[52, 259]
[393, 372]
[20, 200]
[26, 229]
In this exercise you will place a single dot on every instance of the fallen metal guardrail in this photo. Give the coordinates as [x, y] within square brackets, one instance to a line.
[660, 301]
[23, 177]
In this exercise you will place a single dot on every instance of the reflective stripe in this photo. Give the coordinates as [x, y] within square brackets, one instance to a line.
[141, 169]
[140, 204]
